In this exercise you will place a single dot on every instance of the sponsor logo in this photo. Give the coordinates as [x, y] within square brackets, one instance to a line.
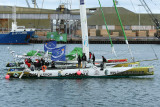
[128, 73]
[16, 33]
[60, 53]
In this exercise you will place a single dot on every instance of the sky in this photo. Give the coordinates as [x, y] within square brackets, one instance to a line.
[132, 5]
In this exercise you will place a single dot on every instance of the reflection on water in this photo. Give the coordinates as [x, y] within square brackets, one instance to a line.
[135, 91]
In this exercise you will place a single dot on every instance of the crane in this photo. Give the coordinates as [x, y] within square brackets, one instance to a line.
[28, 4]
[33, 2]
[154, 19]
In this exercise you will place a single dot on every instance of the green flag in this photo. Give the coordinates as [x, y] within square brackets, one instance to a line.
[56, 36]
[51, 35]
[33, 52]
[72, 54]
[61, 37]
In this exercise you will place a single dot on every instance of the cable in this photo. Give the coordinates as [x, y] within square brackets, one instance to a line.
[155, 4]
[133, 5]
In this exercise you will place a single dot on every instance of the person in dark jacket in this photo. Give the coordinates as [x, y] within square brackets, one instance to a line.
[104, 59]
[47, 63]
[84, 59]
[39, 64]
[93, 58]
[52, 64]
[42, 61]
[79, 61]
[29, 60]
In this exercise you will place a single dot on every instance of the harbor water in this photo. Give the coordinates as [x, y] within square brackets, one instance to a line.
[124, 92]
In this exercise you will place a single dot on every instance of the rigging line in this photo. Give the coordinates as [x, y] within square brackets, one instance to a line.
[151, 59]
[133, 6]
[145, 4]
[155, 4]
[147, 10]
[154, 52]
[113, 50]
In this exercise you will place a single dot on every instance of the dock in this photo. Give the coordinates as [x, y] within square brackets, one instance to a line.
[101, 40]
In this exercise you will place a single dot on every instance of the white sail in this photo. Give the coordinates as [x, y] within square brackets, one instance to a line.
[84, 28]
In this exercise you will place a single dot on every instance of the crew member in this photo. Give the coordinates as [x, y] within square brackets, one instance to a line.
[42, 61]
[93, 58]
[90, 55]
[52, 64]
[84, 60]
[79, 61]
[39, 64]
[29, 60]
[104, 59]
[47, 63]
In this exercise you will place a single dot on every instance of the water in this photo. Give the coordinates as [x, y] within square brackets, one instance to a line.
[133, 92]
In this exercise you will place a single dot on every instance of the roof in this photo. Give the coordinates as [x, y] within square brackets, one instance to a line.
[25, 10]
[127, 17]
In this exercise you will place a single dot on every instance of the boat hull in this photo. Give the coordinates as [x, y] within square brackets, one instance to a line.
[92, 72]
[16, 37]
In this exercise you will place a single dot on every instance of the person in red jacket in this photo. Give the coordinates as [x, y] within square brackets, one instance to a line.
[90, 56]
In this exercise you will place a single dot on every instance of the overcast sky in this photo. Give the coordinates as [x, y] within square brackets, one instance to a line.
[53, 4]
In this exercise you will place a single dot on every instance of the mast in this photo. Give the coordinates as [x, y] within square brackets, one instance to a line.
[125, 37]
[113, 50]
[84, 28]
[14, 23]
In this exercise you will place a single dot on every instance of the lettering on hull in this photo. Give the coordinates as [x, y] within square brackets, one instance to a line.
[128, 73]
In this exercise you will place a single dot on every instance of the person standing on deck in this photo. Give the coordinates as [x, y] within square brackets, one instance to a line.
[93, 58]
[104, 59]
[79, 61]
[90, 55]
[84, 60]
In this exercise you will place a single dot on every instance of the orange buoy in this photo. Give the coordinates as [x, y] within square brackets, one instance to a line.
[44, 68]
[79, 72]
[7, 76]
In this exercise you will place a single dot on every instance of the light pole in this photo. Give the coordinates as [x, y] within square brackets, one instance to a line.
[139, 17]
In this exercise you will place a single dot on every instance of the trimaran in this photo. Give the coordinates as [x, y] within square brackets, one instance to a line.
[90, 71]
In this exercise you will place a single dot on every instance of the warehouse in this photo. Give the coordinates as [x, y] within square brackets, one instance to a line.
[68, 21]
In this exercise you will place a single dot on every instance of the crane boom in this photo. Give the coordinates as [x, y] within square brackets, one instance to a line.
[28, 4]
[154, 19]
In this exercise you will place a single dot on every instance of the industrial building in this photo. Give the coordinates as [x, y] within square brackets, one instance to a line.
[68, 21]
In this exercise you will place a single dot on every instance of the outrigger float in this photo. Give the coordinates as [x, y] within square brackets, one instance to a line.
[68, 70]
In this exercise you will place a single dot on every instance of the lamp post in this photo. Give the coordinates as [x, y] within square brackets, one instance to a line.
[139, 17]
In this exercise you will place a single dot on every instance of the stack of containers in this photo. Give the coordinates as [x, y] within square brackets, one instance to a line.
[92, 32]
